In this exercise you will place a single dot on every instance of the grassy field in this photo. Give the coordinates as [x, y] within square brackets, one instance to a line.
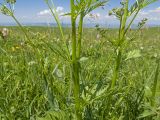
[35, 80]
[77, 73]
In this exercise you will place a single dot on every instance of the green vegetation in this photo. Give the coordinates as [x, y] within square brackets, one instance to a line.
[49, 73]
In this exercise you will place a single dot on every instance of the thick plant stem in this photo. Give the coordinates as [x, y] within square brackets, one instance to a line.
[120, 41]
[75, 73]
[80, 31]
[123, 23]
[116, 71]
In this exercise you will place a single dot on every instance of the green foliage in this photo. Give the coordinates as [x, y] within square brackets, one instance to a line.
[11, 1]
[4, 10]
[133, 54]
[55, 115]
[47, 76]
[37, 84]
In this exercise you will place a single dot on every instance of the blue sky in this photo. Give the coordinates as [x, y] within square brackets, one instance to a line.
[36, 11]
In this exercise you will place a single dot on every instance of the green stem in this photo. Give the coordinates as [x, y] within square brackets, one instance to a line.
[24, 31]
[121, 39]
[73, 21]
[55, 15]
[132, 21]
[154, 87]
[75, 72]
[116, 70]
[21, 27]
[80, 31]
[124, 20]
[120, 26]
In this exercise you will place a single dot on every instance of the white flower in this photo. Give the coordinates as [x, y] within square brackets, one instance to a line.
[98, 36]
[4, 32]
[141, 48]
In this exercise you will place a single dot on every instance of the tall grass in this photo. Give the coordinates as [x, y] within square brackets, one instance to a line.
[65, 78]
[123, 14]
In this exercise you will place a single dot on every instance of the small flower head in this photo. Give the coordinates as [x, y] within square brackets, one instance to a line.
[11, 1]
[4, 33]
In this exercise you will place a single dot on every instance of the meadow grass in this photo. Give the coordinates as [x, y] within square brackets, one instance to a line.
[77, 75]
[32, 83]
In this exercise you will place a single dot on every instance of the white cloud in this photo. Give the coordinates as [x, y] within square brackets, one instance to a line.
[59, 9]
[157, 10]
[152, 15]
[46, 15]
[143, 13]
[46, 12]
[94, 16]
